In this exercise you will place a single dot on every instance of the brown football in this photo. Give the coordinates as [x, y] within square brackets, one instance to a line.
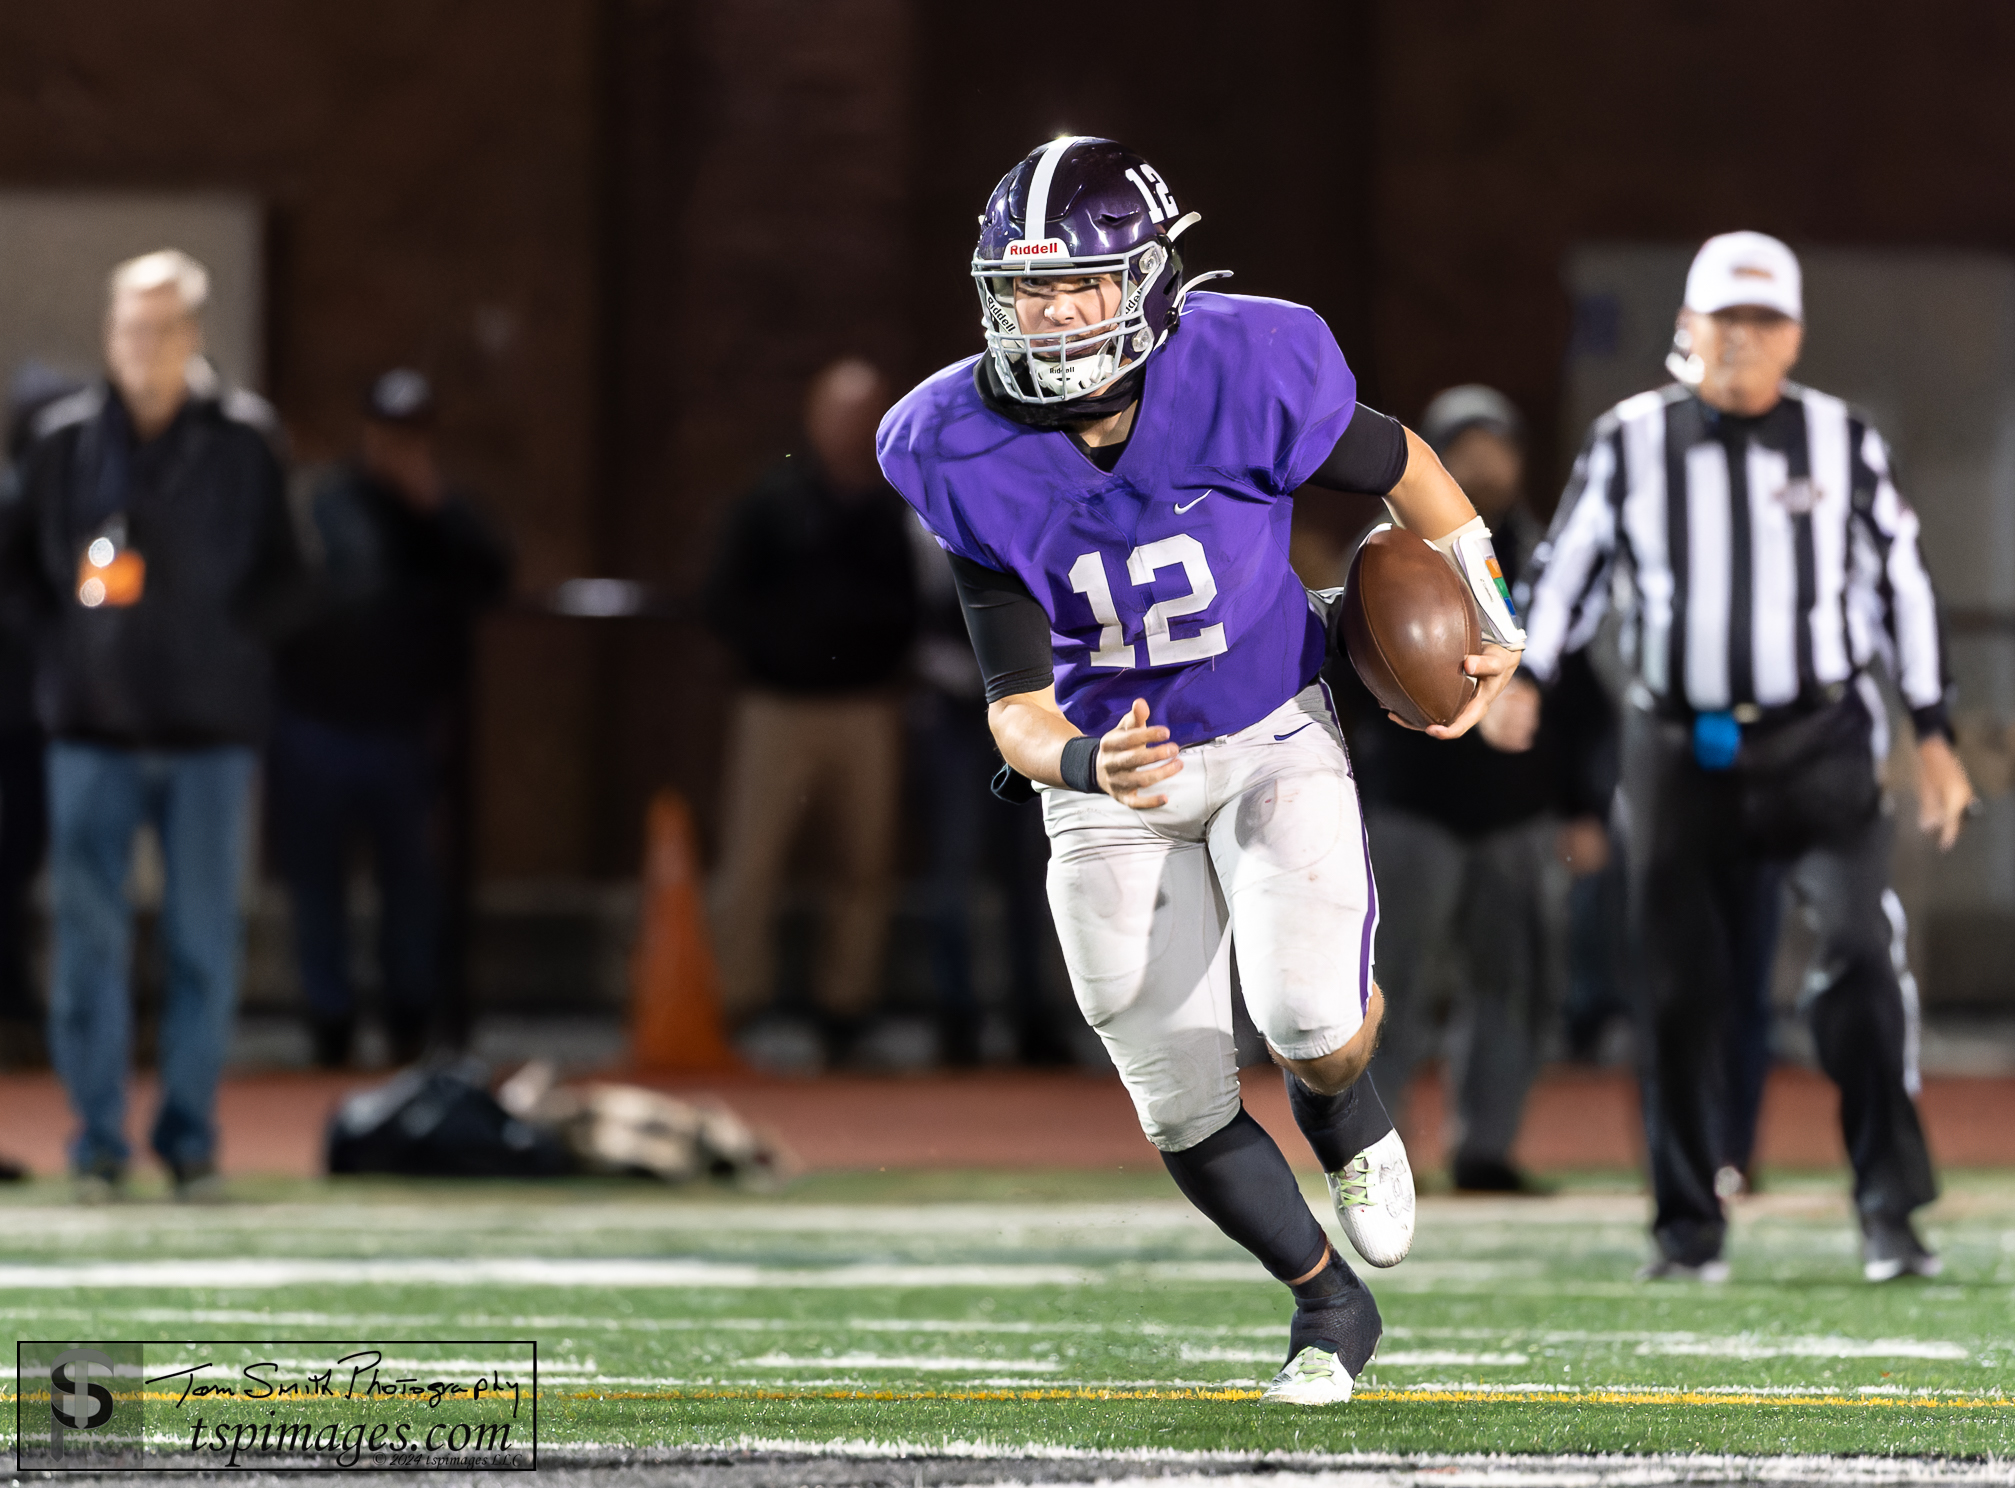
[1406, 621]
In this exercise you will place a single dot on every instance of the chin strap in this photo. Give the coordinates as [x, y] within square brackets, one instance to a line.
[1468, 550]
[1182, 294]
[1181, 226]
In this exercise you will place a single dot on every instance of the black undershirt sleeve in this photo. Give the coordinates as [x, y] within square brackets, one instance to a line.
[1369, 458]
[1009, 629]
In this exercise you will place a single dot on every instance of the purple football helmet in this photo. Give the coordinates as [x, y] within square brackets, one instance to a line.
[1074, 208]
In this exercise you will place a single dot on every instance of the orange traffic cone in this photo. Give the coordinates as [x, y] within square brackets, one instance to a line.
[675, 1004]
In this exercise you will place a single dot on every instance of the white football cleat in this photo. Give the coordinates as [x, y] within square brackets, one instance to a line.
[1374, 1201]
[1312, 1377]
[1890, 1248]
[1712, 1273]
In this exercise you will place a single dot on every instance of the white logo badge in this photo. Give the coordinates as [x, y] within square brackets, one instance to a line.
[1798, 497]
[1025, 250]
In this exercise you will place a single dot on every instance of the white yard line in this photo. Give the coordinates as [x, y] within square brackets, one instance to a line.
[1571, 1474]
[264, 1273]
[1762, 1346]
[856, 1359]
[1512, 1345]
[668, 1216]
[1377, 1470]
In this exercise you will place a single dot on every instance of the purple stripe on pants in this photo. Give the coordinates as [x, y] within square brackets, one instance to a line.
[1370, 881]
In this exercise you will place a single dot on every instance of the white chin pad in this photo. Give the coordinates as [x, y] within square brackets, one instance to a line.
[1075, 376]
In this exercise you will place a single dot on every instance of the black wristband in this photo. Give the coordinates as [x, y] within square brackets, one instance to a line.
[1079, 766]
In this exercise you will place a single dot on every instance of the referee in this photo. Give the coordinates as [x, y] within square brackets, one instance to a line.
[1752, 533]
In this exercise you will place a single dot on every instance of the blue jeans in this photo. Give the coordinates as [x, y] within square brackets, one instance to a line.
[196, 800]
[329, 783]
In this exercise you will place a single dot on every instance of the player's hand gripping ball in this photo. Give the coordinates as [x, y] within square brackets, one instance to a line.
[1406, 622]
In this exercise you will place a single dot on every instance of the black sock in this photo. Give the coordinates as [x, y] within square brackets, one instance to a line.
[1338, 1127]
[1238, 1179]
[1334, 1310]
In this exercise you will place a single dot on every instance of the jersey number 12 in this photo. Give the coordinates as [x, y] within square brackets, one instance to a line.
[1088, 577]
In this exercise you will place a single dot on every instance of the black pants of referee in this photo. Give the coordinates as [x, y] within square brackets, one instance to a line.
[1700, 842]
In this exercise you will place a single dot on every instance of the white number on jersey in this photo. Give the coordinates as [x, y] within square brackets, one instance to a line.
[1088, 577]
[1164, 649]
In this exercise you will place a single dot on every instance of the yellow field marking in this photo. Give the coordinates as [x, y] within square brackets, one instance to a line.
[40, 1396]
[1403, 1397]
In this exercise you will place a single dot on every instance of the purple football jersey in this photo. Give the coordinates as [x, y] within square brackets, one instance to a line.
[1167, 579]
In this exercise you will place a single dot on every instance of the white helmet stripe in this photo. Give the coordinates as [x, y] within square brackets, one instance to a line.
[1035, 219]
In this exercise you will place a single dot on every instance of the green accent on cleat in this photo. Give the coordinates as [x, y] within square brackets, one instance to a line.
[1312, 1377]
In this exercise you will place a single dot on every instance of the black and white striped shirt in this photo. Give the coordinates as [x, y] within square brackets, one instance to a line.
[1767, 559]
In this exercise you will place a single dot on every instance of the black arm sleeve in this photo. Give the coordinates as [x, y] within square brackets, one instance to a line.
[1369, 458]
[1009, 629]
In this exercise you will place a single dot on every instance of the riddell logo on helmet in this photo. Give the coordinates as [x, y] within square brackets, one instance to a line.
[1040, 248]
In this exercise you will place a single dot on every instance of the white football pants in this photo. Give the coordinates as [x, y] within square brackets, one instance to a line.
[1260, 842]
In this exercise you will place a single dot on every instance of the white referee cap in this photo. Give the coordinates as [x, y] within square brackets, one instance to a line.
[1745, 268]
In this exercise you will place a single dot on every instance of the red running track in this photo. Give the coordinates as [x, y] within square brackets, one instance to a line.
[1577, 1119]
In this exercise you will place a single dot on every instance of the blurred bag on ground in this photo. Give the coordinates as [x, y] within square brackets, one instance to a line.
[441, 1122]
[627, 1129]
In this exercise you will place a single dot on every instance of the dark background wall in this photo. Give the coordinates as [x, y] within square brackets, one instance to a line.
[622, 233]
[1508, 132]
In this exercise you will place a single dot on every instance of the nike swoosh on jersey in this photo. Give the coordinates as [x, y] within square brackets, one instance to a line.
[1206, 496]
[1292, 732]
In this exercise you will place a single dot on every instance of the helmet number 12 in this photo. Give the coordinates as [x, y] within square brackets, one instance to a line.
[1158, 211]
[1088, 577]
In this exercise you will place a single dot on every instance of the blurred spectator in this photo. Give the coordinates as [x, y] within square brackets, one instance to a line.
[973, 836]
[153, 558]
[367, 688]
[1463, 843]
[814, 589]
[24, 817]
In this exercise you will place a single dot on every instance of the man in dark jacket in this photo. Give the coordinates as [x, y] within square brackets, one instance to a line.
[814, 589]
[152, 556]
[368, 687]
[1463, 843]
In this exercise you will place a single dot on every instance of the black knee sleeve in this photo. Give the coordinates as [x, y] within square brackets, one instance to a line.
[1334, 1310]
[1338, 1127]
[1237, 1177]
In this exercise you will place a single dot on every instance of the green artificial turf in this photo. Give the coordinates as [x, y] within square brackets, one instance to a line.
[1082, 1310]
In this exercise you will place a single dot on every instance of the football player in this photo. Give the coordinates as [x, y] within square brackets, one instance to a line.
[1111, 478]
